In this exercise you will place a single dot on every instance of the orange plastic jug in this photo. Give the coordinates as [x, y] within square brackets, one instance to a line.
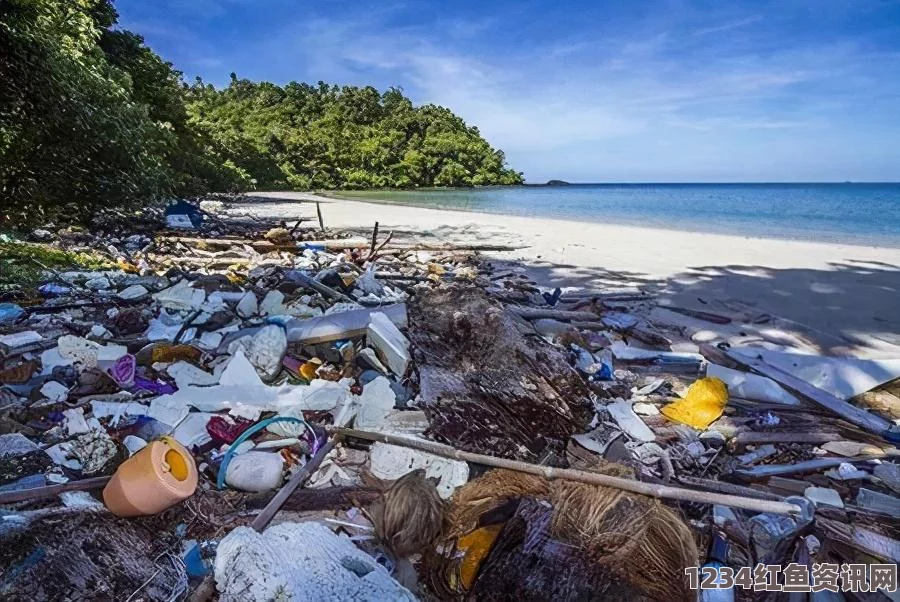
[158, 476]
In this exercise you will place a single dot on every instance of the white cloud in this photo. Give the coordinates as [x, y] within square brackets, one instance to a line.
[728, 26]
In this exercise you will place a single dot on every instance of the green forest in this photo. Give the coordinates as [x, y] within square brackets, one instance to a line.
[91, 117]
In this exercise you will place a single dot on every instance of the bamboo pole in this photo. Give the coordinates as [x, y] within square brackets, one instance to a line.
[37, 493]
[581, 476]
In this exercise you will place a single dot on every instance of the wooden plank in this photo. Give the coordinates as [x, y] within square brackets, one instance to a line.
[859, 417]
[756, 438]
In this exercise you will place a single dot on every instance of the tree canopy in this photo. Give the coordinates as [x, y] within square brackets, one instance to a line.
[91, 117]
[327, 136]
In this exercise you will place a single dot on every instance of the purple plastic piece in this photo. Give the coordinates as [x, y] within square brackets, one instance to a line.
[154, 386]
[122, 371]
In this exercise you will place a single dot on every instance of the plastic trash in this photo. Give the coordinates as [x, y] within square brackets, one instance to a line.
[135, 291]
[248, 306]
[772, 534]
[389, 342]
[390, 462]
[122, 370]
[606, 365]
[701, 406]
[622, 412]
[183, 215]
[155, 478]
[376, 402]
[823, 496]
[193, 561]
[299, 561]
[718, 558]
[265, 350]
[10, 312]
[368, 284]
[255, 471]
[51, 289]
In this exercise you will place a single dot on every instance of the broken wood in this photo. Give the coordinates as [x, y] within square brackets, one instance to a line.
[581, 476]
[395, 276]
[381, 247]
[861, 418]
[334, 244]
[862, 539]
[575, 297]
[322, 289]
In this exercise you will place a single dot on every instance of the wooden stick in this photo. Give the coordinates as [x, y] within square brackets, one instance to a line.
[859, 417]
[263, 519]
[756, 438]
[37, 493]
[374, 242]
[381, 247]
[319, 213]
[322, 289]
[725, 487]
[536, 313]
[581, 476]
[700, 315]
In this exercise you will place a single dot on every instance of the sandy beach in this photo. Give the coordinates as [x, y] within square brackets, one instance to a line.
[839, 298]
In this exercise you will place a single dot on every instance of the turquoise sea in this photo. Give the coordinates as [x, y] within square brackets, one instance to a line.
[867, 214]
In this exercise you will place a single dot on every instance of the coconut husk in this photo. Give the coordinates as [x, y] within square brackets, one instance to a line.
[626, 537]
[407, 518]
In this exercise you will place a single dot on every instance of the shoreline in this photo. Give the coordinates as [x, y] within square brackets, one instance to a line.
[849, 239]
[335, 198]
[842, 298]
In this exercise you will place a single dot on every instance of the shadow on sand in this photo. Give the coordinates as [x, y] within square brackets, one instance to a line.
[851, 305]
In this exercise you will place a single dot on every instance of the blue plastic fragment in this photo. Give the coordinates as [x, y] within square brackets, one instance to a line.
[10, 312]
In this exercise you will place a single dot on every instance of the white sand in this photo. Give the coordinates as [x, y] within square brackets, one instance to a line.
[844, 297]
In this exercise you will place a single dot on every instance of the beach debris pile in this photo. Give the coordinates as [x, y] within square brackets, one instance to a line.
[423, 422]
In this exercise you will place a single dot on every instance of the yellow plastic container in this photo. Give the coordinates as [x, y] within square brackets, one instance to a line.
[702, 405]
[159, 476]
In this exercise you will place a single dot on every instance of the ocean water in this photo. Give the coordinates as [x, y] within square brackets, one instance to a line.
[867, 214]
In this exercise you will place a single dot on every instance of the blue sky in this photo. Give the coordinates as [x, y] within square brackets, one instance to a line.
[589, 90]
